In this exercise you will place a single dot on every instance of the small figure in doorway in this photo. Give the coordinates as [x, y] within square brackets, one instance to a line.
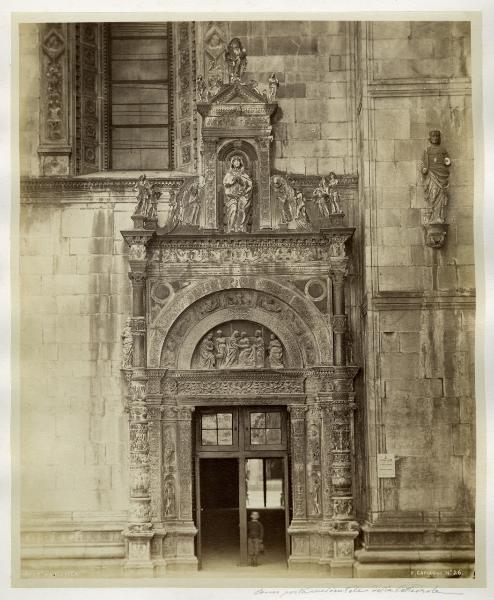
[255, 537]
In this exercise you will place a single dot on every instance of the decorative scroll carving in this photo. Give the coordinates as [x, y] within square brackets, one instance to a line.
[339, 323]
[297, 423]
[127, 345]
[54, 146]
[314, 461]
[169, 471]
[155, 459]
[185, 87]
[185, 461]
[247, 251]
[239, 387]
[214, 53]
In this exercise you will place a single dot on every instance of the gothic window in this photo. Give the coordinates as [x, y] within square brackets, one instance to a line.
[140, 96]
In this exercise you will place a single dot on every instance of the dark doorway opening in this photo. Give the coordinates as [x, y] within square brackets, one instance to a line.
[220, 510]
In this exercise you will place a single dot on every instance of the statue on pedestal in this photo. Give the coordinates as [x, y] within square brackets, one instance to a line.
[236, 60]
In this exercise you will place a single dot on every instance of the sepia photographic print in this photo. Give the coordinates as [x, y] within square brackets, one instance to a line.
[246, 331]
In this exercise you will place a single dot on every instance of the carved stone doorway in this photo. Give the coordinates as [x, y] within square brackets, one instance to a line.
[241, 466]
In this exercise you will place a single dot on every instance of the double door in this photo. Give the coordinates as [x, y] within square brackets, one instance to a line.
[241, 466]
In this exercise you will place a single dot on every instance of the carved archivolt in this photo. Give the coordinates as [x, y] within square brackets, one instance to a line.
[300, 327]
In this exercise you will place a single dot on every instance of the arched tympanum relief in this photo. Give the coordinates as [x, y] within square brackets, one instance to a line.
[239, 345]
[179, 327]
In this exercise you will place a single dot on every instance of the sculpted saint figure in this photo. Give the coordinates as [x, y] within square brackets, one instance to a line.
[232, 350]
[275, 353]
[220, 348]
[333, 193]
[236, 59]
[273, 87]
[435, 175]
[258, 344]
[246, 351]
[238, 190]
[202, 89]
[301, 217]
[144, 194]
[321, 194]
[206, 353]
[127, 346]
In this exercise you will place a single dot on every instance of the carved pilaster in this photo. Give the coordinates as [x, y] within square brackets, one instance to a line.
[297, 424]
[265, 216]
[184, 416]
[155, 411]
[55, 146]
[314, 477]
[170, 468]
[209, 215]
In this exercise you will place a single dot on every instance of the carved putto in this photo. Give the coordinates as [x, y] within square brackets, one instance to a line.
[236, 60]
[239, 350]
[237, 185]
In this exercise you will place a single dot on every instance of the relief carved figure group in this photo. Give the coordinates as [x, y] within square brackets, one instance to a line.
[239, 351]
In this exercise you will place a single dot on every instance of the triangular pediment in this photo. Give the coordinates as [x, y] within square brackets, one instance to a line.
[238, 93]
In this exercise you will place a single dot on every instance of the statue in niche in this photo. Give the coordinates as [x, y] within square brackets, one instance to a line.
[315, 487]
[246, 357]
[238, 191]
[258, 345]
[273, 85]
[206, 353]
[236, 60]
[275, 353]
[169, 356]
[220, 349]
[169, 495]
[127, 345]
[435, 175]
[214, 53]
[232, 350]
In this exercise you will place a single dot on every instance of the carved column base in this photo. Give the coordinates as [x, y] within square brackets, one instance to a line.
[178, 547]
[305, 542]
[139, 563]
[435, 234]
[341, 565]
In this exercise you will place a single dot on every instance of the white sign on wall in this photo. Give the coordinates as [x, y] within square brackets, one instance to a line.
[386, 465]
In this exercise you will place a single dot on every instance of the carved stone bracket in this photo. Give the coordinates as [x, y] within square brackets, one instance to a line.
[435, 234]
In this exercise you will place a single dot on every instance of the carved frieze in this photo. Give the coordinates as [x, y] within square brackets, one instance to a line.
[276, 250]
[228, 387]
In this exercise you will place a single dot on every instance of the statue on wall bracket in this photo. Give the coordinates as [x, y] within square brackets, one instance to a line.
[434, 168]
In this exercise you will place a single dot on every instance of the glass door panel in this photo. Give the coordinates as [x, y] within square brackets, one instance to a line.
[264, 483]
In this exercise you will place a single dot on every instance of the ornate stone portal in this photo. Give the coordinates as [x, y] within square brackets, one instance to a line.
[253, 315]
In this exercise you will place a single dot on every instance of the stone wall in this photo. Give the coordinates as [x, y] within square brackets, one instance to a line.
[75, 295]
[419, 361]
